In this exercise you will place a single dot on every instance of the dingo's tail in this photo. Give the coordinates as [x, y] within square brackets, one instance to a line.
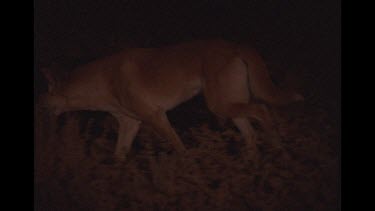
[261, 84]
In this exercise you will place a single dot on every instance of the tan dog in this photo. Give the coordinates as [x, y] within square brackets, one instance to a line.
[140, 84]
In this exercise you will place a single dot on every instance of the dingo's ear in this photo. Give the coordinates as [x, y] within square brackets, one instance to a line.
[51, 80]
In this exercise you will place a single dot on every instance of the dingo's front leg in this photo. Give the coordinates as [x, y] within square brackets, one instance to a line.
[128, 128]
[159, 121]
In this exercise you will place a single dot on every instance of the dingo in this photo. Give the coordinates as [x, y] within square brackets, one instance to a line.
[140, 84]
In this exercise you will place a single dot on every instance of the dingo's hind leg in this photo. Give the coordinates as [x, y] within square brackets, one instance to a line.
[249, 135]
[239, 114]
[255, 111]
[246, 130]
[260, 113]
[227, 94]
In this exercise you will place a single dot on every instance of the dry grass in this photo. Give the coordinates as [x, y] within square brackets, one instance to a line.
[75, 172]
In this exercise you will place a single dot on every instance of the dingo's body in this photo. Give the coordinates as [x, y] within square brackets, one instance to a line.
[140, 84]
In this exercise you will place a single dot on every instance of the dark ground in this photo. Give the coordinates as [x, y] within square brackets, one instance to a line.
[302, 40]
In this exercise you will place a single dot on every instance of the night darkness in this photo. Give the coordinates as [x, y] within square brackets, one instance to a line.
[299, 38]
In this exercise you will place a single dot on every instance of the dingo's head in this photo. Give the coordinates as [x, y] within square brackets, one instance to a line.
[52, 103]
[52, 100]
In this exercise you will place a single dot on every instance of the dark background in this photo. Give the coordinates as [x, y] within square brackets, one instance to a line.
[293, 25]
[300, 35]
